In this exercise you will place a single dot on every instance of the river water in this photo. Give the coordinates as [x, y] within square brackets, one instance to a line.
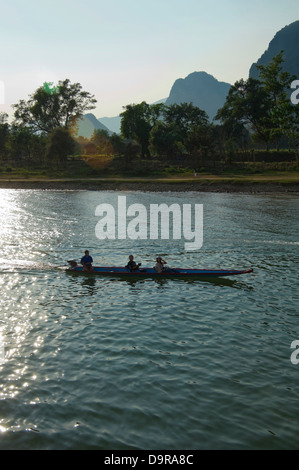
[101, 363]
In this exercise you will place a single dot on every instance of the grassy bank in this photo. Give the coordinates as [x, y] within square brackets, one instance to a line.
[168, 173]
[209, 184]
[88, 174]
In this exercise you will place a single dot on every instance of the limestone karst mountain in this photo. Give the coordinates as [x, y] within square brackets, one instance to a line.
[202, 90]
[286, 40]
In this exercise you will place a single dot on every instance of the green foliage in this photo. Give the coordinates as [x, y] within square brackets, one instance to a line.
[199, 140]
[276, 83]
[247, 104]
[165, 140]
[185, 116]
[45, 111]
[155, 138]
[24, 144]
[4, 133]
[263, 106]
[101, 140]
[164, 130]
[138, 121]
[60, 144]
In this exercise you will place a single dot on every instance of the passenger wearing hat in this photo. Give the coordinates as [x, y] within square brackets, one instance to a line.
[159, 266]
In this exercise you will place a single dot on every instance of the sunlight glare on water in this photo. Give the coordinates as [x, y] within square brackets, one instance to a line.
[107, 363]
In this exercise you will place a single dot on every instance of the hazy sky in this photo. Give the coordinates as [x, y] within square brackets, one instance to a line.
[127, 51]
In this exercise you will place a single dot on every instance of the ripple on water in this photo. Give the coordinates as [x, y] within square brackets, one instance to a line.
[110, 364]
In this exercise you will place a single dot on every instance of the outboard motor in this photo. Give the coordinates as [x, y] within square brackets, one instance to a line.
[73, 263]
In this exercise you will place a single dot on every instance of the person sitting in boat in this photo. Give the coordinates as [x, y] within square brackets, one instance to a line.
[160, 265]
[132, 266]
[86, 262]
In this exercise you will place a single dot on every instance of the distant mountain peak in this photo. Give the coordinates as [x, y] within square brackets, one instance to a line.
[88, 124]
[286, 40]
[202, 90]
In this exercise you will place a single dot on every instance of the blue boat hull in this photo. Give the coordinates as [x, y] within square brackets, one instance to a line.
[150, 272]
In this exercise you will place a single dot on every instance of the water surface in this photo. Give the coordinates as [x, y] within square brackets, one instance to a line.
[100, 363]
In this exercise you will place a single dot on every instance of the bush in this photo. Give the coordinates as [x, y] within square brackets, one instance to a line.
[60, 144]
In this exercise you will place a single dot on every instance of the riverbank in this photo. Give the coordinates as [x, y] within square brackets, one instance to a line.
[213, 183]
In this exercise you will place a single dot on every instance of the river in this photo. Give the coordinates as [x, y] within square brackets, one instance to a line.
[106, 363]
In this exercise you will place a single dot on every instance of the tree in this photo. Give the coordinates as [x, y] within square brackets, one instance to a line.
[166, 140]
[118, 144]
[60, 144]
[274, 80]
[182, 131]
[247, 104]
[185, 116]
[276, 83]
[263, 105]
[138, 121]
[23, 144]
[101, 139]
[199, 141]
[292, 130]
[51, 108]
[4, 133]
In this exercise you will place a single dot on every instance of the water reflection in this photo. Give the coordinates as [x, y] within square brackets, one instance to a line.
[76, 345]
[90, 280]
[90, 283]
[2, 349]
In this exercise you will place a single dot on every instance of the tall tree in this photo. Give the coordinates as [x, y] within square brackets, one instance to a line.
[276, 84]
[101, 139]
[60, 144]
[166, 140]
[183, 130]
[199, 141]
[263, 105]
[137, 122]
[185, 116]
[53, 107]
[247, 104]
[4, 132]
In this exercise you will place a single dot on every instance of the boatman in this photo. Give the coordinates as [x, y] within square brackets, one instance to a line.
[86, 262]
[132, 266]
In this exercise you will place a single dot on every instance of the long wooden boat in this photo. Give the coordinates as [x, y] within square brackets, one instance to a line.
[150, 272]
